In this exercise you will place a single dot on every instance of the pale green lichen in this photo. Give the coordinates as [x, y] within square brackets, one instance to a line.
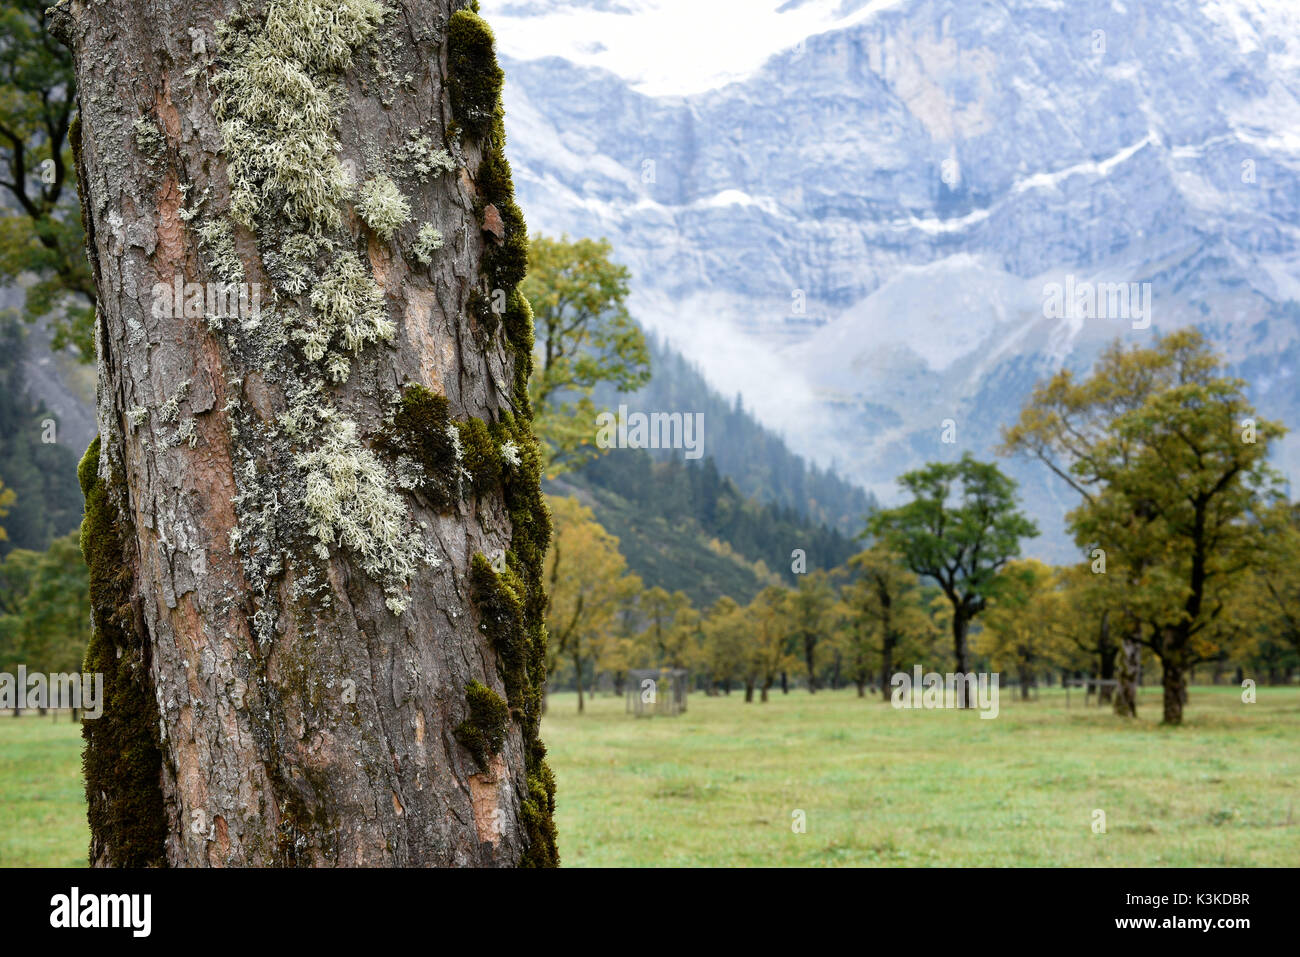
[218, 241]
[421, 159]
[349, 312]
[170, 409]
[276, 102]
[308, 483]
[510, 453]
[149, 139]
[426, 242]
[186, 434]
[352, 501]
[383, 207]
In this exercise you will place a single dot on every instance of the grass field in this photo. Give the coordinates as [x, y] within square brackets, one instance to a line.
[719, 784]
[42, 806]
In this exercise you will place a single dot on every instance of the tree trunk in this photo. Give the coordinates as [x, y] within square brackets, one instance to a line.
[809, 654]
[862, 686]
[886, 668]
[309, 658]
[959, 626]
[1174, 683]
[1106, 658]
[577, 670]
[785, 683]
[1130, 663]
[749, 692]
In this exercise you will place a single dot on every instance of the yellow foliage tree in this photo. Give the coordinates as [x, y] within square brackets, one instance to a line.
[588, 582]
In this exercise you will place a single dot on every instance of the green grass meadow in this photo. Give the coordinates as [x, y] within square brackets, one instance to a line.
[42, 804]
[719, 785]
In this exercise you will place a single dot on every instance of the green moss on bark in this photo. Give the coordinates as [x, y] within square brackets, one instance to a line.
[481, 449]
[423, 432]
[474, 78]
[512, 604]
[501, 619]
[484, 731]
[122, 760]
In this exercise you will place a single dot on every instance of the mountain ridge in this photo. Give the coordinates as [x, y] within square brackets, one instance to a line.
[858, 234]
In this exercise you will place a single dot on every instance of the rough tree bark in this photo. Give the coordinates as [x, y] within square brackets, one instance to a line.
[1130, 664]
[314, 528]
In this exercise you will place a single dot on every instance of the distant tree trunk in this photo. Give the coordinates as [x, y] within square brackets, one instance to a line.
[785, 684]
[749, 691]
[1106, 657]
[314, 434]
[1129, 671]
[577, 671]
[886, 667]
[1025, 675]
[1174, 681]
[960, 624]
[861, 683]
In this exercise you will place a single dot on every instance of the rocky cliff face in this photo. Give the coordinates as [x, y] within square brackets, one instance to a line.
[856, 213]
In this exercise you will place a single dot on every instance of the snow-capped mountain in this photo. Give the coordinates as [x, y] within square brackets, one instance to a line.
[854, 213]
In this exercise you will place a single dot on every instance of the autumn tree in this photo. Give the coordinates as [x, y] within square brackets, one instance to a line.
[768, 652]
[808, 612]
[961, 527]
[619, 651]
[726, 631]
[314, 524]
[1021, 624]
[588, 583]
[1171, 463]
[1090, 602]
[671, 626]
[886, 606]
[585, 337]
[1064, 425]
